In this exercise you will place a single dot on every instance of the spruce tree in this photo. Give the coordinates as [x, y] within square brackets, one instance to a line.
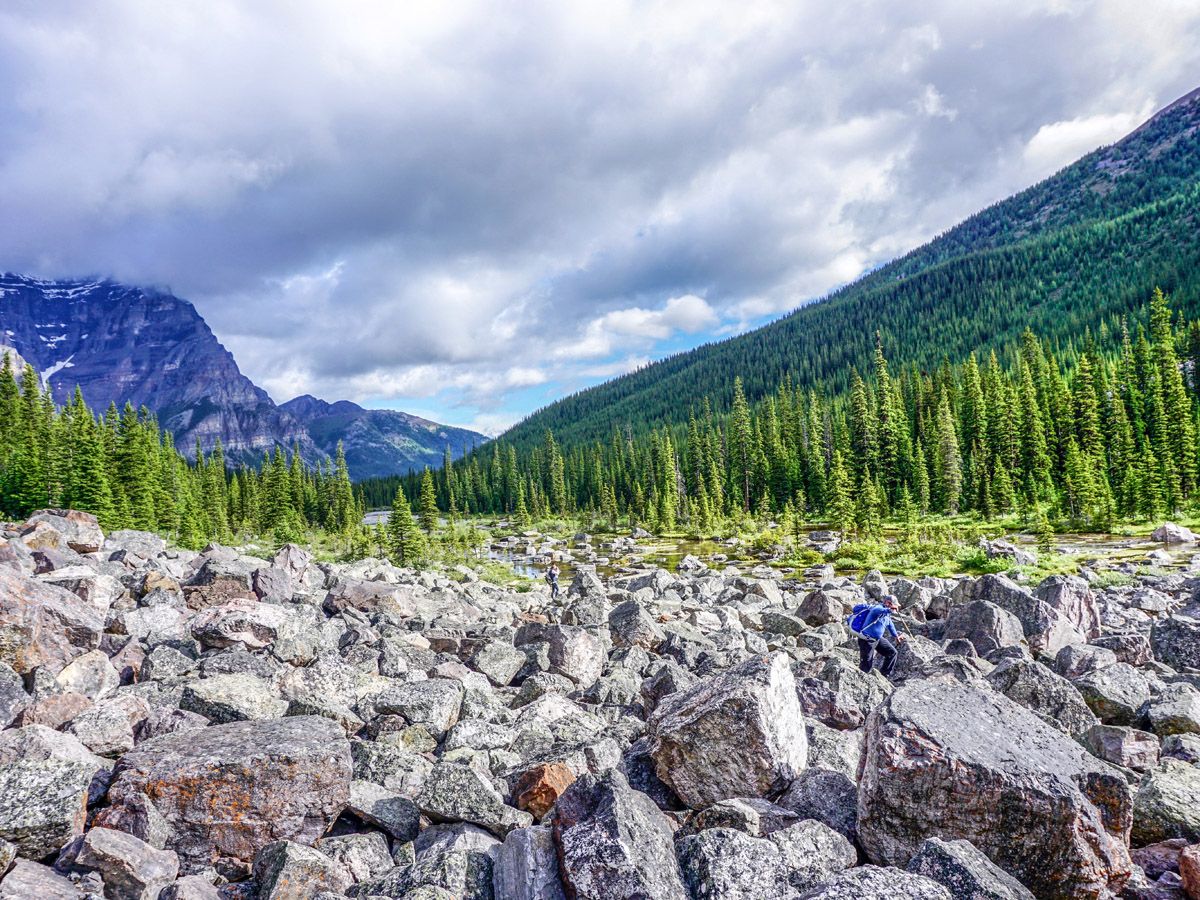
[428, 503]
[949, 461]
[405, 541]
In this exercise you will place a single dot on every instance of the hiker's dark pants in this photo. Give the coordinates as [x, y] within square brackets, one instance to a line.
[885, 648]
[554, 590]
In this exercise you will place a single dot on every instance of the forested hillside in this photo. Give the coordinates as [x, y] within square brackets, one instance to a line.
[1102, 429]
[1084, 248]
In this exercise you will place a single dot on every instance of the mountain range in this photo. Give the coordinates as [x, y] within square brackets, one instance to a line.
[1081, 250]
[123, 344]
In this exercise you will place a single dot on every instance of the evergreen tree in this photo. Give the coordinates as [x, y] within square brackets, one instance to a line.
[428, 509]
[406, 544]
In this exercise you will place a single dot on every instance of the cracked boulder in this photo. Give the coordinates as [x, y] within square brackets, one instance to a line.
[43, 625]
[738, 734]
[613, 842]
[939, 762]
[229, 790]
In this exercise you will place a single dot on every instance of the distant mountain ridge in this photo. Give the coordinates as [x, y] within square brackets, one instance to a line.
[1079, 250]
[120, 344]
[374, 438]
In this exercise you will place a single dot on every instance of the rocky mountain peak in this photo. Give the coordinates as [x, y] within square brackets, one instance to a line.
[123, 344]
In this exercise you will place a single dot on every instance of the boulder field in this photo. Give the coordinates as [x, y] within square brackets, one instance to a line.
[228, 726]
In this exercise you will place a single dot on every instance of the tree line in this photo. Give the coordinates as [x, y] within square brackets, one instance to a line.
[127, 471]
[1096, 429]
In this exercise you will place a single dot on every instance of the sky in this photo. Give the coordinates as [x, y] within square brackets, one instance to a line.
[467, 210]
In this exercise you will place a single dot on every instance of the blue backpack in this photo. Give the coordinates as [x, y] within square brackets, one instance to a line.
[864, 618]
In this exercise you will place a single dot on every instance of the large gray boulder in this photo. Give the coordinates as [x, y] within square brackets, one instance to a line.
[459, 793]
[613, 842]
[987, 626]
[825, 796]
[957, 761]
[284, 870]
[1171, 533]
[80, 531]
[434, 704]
[233, 698]
[229, 790]
[812, 853]
[1167, 804]
[365, 856]
[46, 781]
[725, 864]
[575, 653]
[31, 881]
[1175, 641]
[1050, 697]
[1176, 710]
[13, 697]
[738, 734]
[965, 872]
[1047, 628]
[43, 803]
[1116, 693]
[43, 625]
[251, 624]
[1073, 598]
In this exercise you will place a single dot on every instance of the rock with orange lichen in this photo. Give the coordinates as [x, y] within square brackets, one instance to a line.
[538, 788]
[229, 790]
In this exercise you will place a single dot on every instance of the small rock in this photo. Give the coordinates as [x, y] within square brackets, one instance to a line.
[378, 806]
[288, 871]
[965, 872]
[1126, 747]
[131, 869]
[526, 866]
[365, 856]
[538, 789]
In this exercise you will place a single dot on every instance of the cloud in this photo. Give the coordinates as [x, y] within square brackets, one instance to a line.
[688, 314]
[474, 208]
[1060, 143]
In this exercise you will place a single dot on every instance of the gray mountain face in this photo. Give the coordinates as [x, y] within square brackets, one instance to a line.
[124, 344]
[378, 441]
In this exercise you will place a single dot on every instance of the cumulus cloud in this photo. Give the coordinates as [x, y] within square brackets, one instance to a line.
[471, 208]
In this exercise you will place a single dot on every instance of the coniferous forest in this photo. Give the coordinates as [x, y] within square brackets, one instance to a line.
[1086, 432]
[123, 468]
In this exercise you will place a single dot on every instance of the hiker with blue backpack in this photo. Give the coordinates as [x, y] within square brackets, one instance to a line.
[872, 624]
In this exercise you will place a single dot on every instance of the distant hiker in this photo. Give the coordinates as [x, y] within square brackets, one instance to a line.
[552, 580]
[872, 624]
